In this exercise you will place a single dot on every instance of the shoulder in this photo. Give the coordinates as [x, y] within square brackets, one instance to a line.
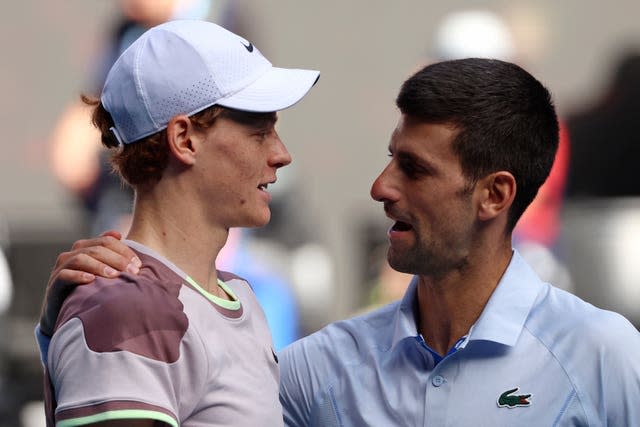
[123, 299]
[310, 367]
[343, 343]
[596, 348]
[558, 315]
[137, 313]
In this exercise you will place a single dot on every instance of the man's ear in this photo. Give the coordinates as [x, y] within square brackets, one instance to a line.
[180, 134]
[498, 192]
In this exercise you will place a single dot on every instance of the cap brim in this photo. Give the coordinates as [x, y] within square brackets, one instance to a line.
[277, 89]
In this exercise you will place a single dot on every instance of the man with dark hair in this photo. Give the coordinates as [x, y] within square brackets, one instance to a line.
[478, 338]
[190, 109]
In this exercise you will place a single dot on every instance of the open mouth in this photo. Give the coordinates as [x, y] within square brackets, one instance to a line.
[263, 187]
[401, 226]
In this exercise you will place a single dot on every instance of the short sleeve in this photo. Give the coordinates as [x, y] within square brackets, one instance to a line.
[122, 352]
[621, 373]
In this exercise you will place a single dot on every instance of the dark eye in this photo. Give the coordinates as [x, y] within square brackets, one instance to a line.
[409, 168]
[262, 134]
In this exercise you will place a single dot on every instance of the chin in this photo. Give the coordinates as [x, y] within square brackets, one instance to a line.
[253, 220]
[262, 220]
[260, 224]
[403, 268]
[399, 262]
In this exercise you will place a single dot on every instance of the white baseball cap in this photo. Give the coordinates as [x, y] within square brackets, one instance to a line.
[186, 66]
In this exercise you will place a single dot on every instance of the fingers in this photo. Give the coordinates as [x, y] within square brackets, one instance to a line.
[103, 256]
[69, 278]
[101, 261]
[113, 233]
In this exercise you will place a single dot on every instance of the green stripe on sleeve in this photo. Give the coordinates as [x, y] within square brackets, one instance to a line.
[132, 414]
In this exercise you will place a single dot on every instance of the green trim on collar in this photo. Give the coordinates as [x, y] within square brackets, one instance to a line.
[233, 304]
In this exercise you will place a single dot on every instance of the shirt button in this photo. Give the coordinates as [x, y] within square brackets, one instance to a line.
[437, 381]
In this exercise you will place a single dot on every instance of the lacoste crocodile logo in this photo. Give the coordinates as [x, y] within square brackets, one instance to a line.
[511, 401]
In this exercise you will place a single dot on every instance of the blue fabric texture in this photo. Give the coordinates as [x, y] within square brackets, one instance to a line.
[536, 356]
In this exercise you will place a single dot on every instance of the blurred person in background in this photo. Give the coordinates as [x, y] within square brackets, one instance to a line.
[477, 335]
[191, 109]
[605, 138]
[603, 189]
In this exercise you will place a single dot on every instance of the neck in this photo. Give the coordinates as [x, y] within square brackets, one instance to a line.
[449, 305]
[181, 235]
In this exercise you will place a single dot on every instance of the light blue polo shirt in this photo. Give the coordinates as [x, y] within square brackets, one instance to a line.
[537, 356]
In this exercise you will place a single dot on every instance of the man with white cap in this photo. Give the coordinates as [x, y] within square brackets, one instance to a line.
[190, 108]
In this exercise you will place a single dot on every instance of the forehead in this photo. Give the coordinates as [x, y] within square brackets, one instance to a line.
[433, 140]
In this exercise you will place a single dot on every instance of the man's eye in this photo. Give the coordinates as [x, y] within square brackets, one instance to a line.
[262, 134]
[408, 168]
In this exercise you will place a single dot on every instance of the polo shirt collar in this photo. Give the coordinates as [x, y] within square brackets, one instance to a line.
[501, 320]
[508, 307]
[404, 324]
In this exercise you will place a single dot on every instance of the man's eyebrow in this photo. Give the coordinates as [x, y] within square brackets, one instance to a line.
[402, 154]
[418, 161]
[407, 155]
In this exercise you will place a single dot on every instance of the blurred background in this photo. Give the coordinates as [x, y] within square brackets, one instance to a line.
[322, 257]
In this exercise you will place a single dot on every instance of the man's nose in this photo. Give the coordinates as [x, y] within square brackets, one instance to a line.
[280, 157]
[383, 189]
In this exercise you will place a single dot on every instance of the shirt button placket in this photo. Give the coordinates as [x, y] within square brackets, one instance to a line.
[437, 380]
[436, 399]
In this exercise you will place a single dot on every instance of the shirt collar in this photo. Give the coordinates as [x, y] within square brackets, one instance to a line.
[405, 324]
[507, 310]
[501, 320]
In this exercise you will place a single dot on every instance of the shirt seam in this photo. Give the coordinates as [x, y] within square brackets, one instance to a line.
[334, 403]
[564, 408]
[573, 384]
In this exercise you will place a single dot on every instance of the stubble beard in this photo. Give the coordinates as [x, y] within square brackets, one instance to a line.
[425, 260]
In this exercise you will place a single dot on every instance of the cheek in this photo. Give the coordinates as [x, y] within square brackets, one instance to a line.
[235, 166]
[440, 217]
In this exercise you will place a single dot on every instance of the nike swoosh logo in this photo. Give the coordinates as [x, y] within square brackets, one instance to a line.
[249, 46]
